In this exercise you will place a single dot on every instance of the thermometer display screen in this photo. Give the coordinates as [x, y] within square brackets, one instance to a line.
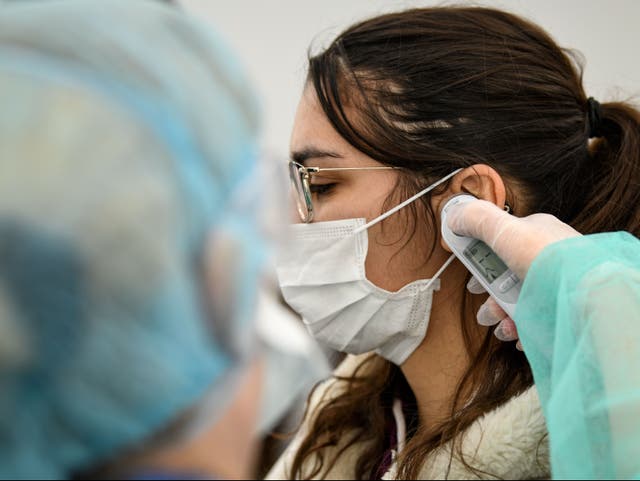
[485, 260]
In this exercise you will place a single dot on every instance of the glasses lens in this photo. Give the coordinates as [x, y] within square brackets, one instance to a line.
[298, 188]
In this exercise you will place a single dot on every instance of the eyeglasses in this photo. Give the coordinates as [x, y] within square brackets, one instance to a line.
[301, 184]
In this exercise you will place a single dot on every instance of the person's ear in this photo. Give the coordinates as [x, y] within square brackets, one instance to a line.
[481, 181]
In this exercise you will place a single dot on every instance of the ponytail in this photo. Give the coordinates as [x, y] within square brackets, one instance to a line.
[614, 204]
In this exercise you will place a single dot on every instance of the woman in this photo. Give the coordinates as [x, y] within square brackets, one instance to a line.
[461, 100]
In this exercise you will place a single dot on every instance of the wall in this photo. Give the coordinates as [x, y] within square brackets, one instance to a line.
[272, 38]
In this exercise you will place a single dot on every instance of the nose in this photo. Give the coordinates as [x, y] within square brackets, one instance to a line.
[294, 215]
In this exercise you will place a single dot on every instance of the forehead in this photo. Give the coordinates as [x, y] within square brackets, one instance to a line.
[315, 140]
[311, 123]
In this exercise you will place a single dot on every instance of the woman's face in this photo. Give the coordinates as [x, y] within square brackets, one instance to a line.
[396, 255]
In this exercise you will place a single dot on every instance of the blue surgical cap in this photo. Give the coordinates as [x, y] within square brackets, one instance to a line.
[126, 137]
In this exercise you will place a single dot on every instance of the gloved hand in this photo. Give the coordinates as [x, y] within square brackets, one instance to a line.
[517, 241]
[491, 313]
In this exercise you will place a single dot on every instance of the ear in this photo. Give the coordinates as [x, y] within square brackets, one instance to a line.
[479, 180]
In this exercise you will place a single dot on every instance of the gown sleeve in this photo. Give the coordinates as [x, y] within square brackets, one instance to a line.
[578, 318]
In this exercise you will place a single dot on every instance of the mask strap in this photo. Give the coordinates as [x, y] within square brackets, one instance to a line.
[405, 203]
[440, 271]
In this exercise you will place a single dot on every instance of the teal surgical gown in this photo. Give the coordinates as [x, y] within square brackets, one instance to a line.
[578, 318]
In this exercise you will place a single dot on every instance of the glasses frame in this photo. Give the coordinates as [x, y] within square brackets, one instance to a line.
[305, 173]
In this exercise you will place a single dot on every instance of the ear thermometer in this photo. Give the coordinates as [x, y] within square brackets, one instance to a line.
[492, 273]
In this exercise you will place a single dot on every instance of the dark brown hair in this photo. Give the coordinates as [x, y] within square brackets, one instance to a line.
[435, 89]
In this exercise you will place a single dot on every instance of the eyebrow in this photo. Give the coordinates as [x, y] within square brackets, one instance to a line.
[301, 156]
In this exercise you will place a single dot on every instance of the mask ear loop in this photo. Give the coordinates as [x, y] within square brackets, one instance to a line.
[440, 271]
[405, 203]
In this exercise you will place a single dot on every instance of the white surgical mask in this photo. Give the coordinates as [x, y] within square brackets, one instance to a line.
[322, 277]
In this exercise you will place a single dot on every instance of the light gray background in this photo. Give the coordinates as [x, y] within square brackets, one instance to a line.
[272, 38]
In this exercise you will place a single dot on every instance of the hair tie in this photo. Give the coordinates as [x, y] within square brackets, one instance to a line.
[594, 116]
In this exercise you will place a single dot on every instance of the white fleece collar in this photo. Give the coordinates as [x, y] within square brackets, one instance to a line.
[509, 442]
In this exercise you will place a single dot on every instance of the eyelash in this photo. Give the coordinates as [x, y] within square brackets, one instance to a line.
[321, 189]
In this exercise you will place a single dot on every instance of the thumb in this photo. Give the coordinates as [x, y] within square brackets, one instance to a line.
[517, 241]
[478, 219]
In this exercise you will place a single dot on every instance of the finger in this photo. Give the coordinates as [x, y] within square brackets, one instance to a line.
[490, 313]
[506, 330]
[510, 325]
[519, 346]
[478, 219]
[474, 286]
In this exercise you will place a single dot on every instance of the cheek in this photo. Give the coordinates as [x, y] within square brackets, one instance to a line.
[385, 258]
[330, 209]
[357, 195]
[397, 255]
[349, 200]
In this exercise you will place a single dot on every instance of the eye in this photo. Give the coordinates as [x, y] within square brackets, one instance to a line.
[321, 189]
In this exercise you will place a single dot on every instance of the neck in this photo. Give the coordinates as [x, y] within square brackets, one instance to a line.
[435, 369]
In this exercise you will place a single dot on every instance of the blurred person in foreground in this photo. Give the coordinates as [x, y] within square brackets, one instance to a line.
[130, 246]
